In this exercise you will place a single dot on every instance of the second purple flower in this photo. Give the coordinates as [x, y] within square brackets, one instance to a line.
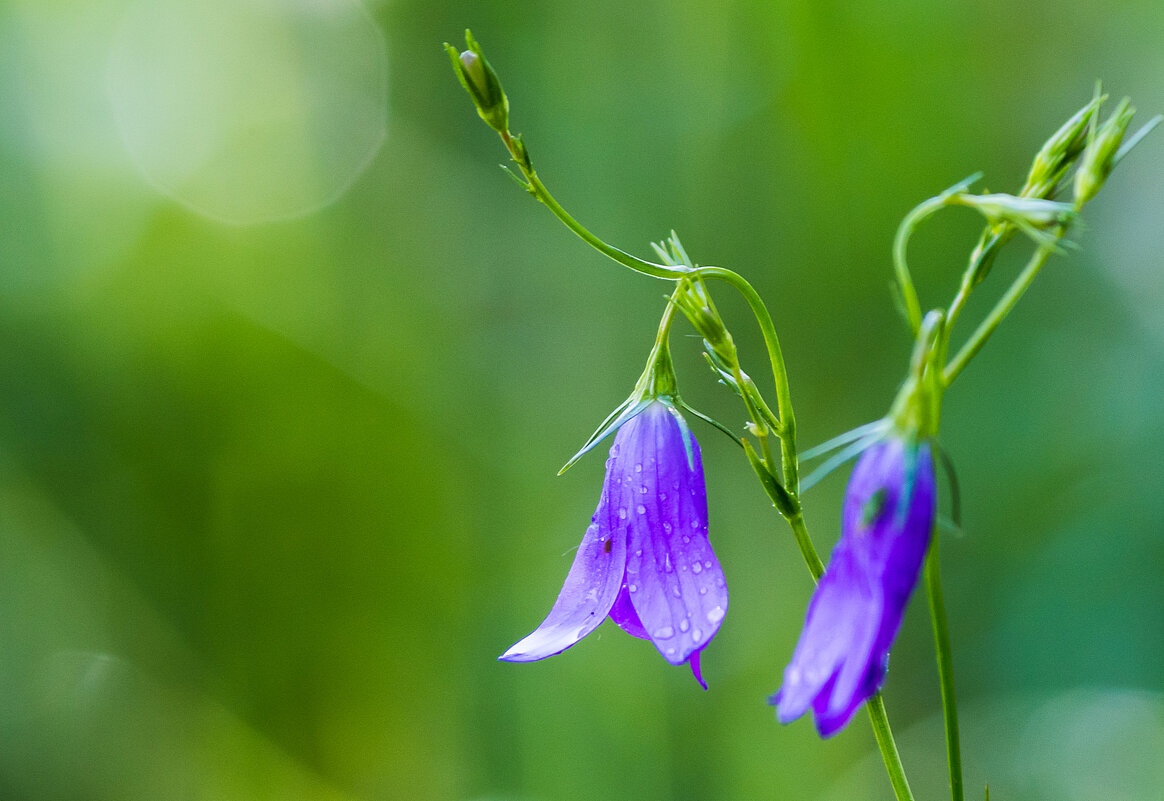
[856, 610]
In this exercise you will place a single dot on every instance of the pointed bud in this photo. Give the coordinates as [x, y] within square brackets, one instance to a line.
[481, 82]
[1099, 157]
[1058, 152]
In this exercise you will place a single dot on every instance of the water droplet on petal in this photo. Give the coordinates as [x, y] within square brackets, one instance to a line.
[695, 523]
[639, 468]
[703, 590]
[641, 509]
[622, 514]
[638, 552]
[686, 539]
[697, 634]
[676, 592]
[632, 588]
[667, 562]
[696, 567]
[715, 615]
[666, 527]
[684, 625]
[707, 564]
[643, 489]
[664, 633]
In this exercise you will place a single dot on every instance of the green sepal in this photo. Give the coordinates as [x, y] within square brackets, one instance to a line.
[624, 412]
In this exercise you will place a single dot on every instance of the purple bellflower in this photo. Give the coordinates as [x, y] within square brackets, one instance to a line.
[856, 610]
[645, 560]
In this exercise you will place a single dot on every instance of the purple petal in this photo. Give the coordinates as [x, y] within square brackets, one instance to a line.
[856, 610]
[590, 589]
[674, 580]
[623, 613]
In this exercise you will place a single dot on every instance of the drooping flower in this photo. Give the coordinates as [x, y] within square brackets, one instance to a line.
[645, 560]
[856, 610]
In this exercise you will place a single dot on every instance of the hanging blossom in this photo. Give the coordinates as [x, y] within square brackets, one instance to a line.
[856, 610]
[645, 560]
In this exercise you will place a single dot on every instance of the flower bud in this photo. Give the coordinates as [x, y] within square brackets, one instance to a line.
[1099, 157]
[481, 82]
[1057, 153]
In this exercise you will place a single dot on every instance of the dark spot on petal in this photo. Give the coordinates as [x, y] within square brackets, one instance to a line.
[873, 508]
[606, 546]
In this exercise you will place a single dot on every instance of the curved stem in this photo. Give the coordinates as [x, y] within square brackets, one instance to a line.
[945, 657]
[901, 268]
[889, 753]
[779, 371]
[536, 188]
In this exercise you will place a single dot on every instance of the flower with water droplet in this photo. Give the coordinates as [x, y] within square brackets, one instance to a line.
[856, 610]
[659, 601]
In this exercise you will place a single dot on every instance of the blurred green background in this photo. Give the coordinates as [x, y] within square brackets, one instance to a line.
[287, 367]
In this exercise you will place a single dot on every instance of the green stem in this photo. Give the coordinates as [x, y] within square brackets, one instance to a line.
[900, 240]
[945, 657]
[779, 371]
[538, 190]
[997, 314]
[889, 754]
[804, 542]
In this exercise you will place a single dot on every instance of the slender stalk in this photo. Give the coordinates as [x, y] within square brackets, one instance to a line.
[945, 657]
[538, 190]
[804, 542]
[889, 754]
[997, 314]
[779, 371]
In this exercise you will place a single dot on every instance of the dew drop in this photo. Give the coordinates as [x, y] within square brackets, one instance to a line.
[641, 509]
[684, 625]
[662, 496]
[667, 562]
[638, 552]
[639, 468]
[677, 593]
[664, 633]
[696, 567]
[695, 523]
[707, 564]
[632, 587]
[697, 634]
[715, 615]
[670, 652]
[703, 590]
[686, 539]
[622, 514]
[675, 486]
[643, 489]
[667, 528]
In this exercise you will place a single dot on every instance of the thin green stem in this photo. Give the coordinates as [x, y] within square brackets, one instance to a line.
[804, 542]
[538, 190]
[945, 657]
[901, 267]
[997, 314]
[889, 754]
[779, 371]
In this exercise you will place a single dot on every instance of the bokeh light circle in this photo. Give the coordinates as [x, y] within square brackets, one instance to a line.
[250, 110]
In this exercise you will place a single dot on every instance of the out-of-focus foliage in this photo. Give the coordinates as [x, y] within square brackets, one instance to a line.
[287, 366]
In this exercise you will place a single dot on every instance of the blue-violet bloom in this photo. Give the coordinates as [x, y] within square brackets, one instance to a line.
[856, 610]
[645, 560]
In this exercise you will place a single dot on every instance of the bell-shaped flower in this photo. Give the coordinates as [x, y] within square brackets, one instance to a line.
[645, 560]
[856, 610]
